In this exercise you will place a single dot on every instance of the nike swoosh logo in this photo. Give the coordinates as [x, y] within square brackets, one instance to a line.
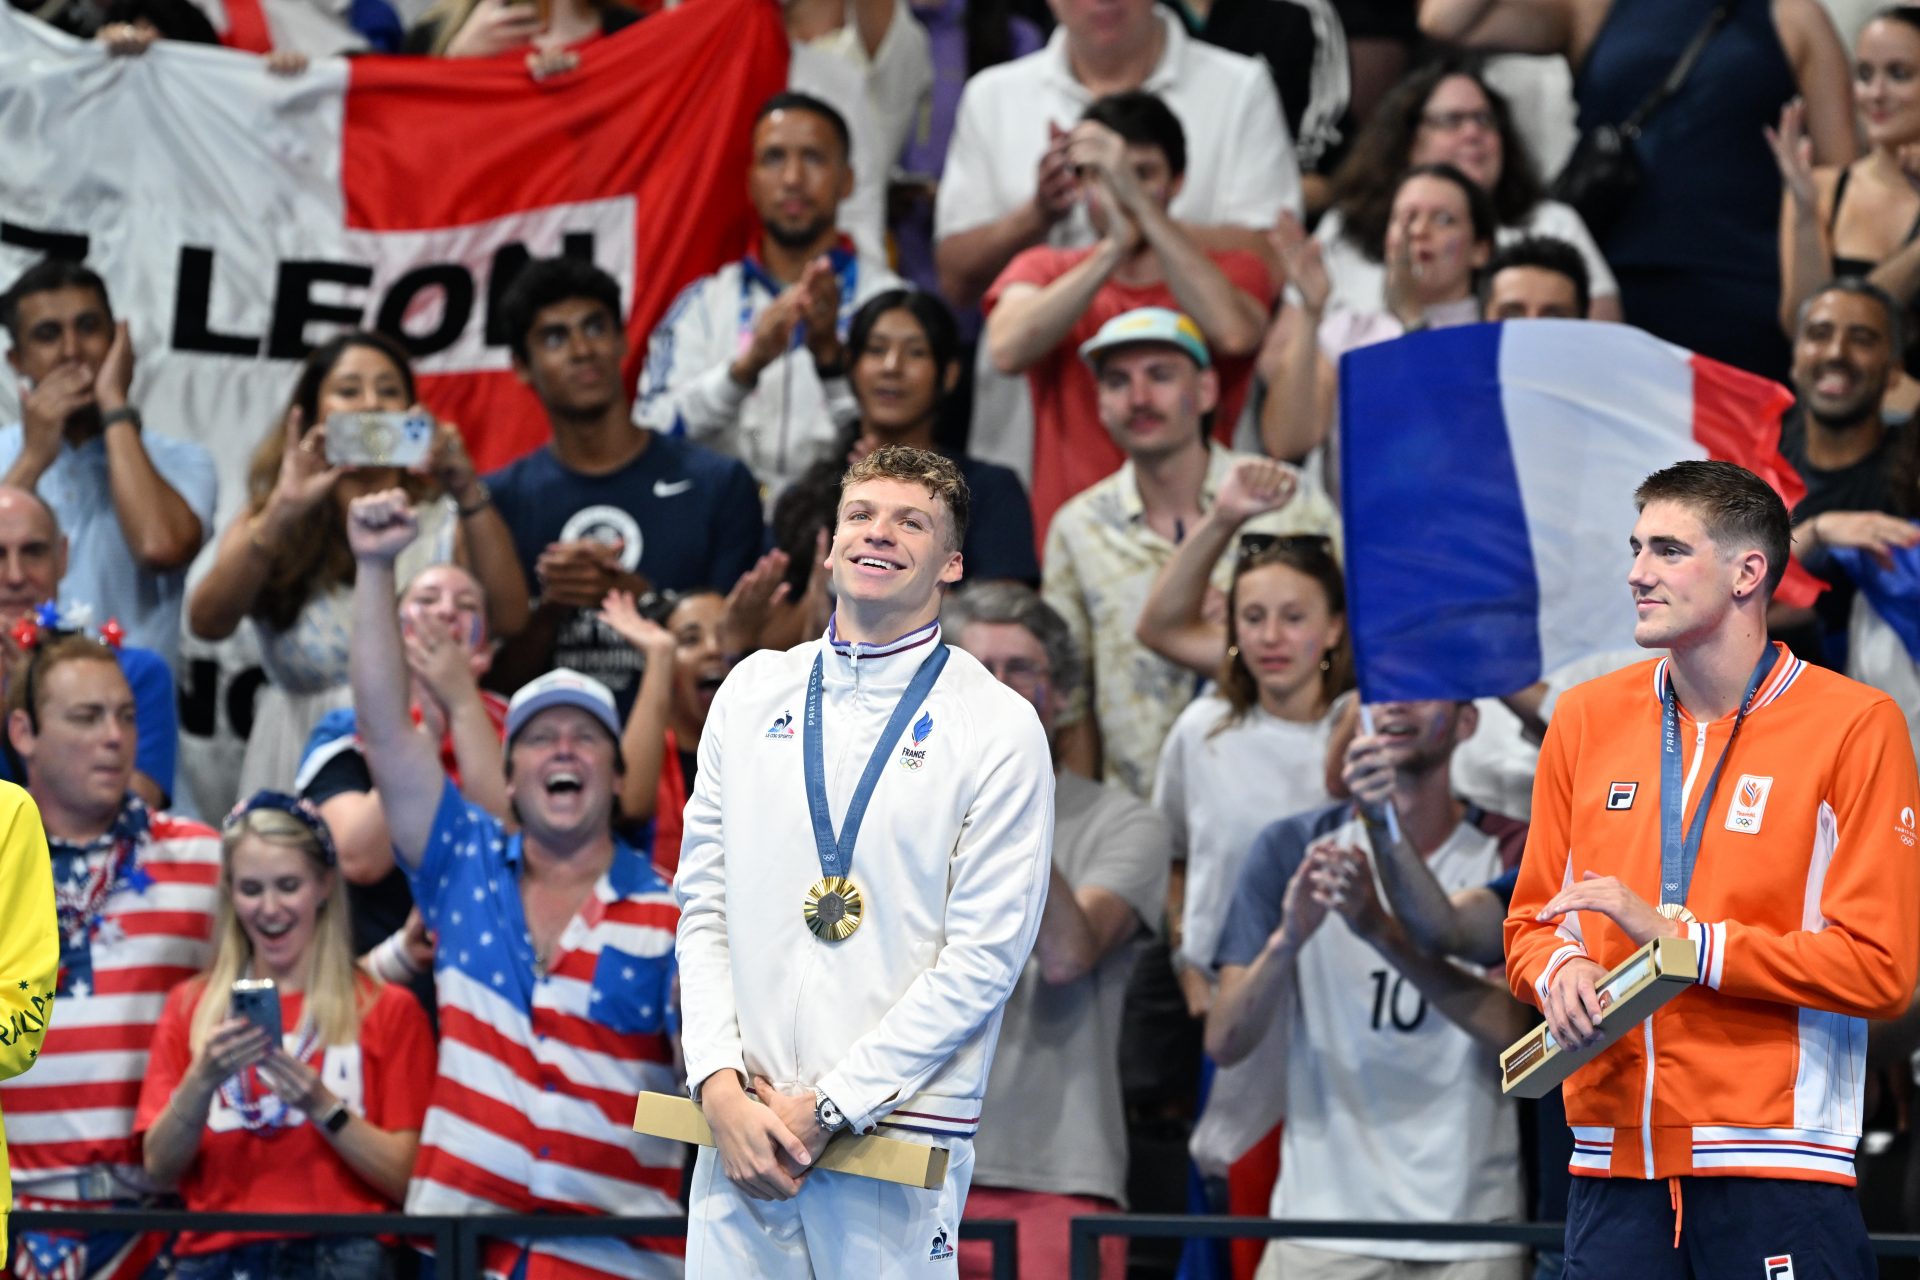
[661, 489]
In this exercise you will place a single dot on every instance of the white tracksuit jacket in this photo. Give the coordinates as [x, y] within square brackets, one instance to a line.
[896, 1023]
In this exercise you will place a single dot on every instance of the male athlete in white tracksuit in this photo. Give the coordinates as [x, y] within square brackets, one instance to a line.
[891, 1028]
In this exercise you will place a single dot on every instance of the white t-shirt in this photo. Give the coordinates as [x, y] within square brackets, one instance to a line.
[1360, 284]
[897, 76]
[1241, 170]
[1217, 792]
[1394, 1114]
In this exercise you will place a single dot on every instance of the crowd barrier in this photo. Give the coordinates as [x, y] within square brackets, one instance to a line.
[456, 1240]
[1086, 1233]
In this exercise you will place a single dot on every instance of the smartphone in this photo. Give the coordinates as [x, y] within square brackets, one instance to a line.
[258, 1001]
[379, 439]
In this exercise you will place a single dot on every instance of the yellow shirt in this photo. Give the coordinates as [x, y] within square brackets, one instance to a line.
[29, 950]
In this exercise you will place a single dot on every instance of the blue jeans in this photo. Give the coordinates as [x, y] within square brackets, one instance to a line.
[319, 1258]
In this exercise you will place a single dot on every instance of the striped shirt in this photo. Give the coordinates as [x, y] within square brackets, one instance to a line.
[533, 1108]
[72, 1115]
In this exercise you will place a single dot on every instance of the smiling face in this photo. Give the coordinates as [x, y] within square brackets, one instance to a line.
[1421, 736]
[277, 895]
[1432, 219]
[1683, 583]
[896, 378]
[702, 658]
[561, 775]
[1457, 127]
[1152, 397]
[80, 758]
[1843, 358]
[1886, 81]
[892, 548]
[1283, 627]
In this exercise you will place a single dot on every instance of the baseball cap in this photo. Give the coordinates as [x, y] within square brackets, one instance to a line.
[1148, 324]
[562, 687]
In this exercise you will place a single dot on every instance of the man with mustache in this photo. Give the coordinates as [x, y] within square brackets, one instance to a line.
[1846, 346]
[1155, 385]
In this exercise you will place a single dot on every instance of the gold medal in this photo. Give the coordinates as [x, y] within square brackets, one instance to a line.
[1676, 911]
[833, 908]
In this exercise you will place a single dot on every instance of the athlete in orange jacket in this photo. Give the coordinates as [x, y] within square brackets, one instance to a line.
[1788, 857]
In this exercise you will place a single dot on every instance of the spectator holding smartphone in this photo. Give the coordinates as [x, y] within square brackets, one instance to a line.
[326, 1116]
[284, 562]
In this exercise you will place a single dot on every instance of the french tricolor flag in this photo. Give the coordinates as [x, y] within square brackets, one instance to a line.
[1487, 487]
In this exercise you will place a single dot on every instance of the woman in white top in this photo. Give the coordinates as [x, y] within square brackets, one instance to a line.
[1444, 113]
[1254, 751]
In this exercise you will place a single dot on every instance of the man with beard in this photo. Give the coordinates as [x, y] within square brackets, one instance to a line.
[751, 360]
[603, 506]
[1846, 347]
[134, 506]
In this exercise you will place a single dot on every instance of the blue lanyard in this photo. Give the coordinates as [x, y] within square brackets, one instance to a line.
[1676, 855]
[836, 855]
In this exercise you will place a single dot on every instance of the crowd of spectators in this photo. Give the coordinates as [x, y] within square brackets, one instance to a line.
[1108, 256]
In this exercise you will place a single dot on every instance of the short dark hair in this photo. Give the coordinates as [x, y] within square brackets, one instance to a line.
[1143, 120]
[1738, 508]
[1859, 287]
[1546, 253]
[45, 276]
[933, 471]
[790, 100]
[1486, 224]
[544, 282]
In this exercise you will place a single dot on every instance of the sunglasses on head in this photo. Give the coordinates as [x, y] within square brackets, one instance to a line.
[1256, 544]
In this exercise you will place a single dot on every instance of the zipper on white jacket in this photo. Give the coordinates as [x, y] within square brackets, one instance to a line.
[1646, 1103]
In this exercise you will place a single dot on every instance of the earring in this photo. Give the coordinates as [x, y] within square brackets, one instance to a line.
[1233, 651]
[1326, 661]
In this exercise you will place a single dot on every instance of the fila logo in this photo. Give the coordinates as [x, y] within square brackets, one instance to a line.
[1749, 804]
[1620, 794]
[1780, 1268]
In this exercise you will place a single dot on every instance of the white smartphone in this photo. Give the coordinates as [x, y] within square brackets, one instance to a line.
[379, 439]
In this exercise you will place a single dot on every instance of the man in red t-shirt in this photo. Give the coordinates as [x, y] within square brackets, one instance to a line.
[1130, 154]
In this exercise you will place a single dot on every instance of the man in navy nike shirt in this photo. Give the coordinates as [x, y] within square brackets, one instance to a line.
[605, 505]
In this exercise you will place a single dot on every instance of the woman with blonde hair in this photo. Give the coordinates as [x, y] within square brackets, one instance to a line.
[324, 1116]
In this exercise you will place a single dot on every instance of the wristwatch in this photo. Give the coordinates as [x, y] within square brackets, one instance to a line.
[336, 1119]
[826, 1114]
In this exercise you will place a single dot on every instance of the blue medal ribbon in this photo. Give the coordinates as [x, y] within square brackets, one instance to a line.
[836, 854]
[1677, 855]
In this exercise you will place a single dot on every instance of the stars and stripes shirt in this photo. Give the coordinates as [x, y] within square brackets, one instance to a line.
[71, 1117]
[533, 1108]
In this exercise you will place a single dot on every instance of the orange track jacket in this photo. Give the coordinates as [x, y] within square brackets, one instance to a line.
[1806, 894]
